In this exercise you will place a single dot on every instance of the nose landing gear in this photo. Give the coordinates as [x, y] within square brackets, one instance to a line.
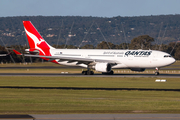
[157, 71]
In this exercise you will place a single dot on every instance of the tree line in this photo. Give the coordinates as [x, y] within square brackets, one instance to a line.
[76, 30]
[144, 42]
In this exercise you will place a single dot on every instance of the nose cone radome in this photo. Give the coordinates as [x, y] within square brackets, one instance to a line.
[171, 60]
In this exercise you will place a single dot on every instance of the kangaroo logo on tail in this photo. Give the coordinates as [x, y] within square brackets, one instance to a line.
[35, 39]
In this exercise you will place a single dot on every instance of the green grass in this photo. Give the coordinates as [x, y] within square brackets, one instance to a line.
[52, 101]
[16, 101]
[101, 82]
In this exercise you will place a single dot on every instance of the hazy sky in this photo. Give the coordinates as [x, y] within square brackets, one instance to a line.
[100, 8]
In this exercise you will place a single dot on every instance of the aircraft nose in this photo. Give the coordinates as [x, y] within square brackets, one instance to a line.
[172, 60]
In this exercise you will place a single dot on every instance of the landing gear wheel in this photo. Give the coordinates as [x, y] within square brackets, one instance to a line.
[108, 73]
[92, 73]
[84, 72]
[156, 73]
[111, 72]
[88, 72]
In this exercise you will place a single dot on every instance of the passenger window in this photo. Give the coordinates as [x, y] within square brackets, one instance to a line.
[167, 56]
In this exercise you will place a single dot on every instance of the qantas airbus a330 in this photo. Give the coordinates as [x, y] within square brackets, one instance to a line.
[102, 60]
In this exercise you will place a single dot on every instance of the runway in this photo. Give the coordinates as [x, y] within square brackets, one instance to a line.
[174, 67]
[95, 117]
[108, 117]
[95, 75]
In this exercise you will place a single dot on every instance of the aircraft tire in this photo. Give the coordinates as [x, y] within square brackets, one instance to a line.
[156, 73]
[108, 73]
[92, 73]
[88, 72]
[111, 72]
[84, 72]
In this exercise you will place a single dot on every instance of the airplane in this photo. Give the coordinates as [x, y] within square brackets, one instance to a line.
[101, 60]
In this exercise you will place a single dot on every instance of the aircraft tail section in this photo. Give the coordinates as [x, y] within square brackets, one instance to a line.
[36, 41]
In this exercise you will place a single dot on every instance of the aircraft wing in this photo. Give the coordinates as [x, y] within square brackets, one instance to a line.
[69, 59]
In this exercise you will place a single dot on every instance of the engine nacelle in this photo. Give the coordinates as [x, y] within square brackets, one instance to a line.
[138, 69]
[103, 67]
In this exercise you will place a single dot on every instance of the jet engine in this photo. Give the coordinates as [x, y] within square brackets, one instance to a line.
[138, 69]
[102, 67]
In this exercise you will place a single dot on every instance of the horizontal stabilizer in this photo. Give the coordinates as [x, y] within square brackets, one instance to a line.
[17, 53]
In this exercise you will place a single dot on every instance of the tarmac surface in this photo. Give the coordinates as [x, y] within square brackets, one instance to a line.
[111, 117]
[174, 67]
[94, 117]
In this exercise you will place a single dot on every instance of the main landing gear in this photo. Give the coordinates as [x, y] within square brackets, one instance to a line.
[108, 73]
[157, 71]
[88, 72]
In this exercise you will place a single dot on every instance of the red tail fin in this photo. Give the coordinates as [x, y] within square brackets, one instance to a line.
[35, 39]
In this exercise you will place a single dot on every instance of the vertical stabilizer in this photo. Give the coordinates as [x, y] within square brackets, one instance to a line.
[35, 39]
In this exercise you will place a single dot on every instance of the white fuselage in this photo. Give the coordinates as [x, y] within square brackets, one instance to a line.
[123, 58]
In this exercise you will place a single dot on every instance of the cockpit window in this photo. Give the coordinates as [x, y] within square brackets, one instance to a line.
[167, 56]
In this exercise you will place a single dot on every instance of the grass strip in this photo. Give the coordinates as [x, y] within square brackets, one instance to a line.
[96, 82]
[54, 101]
[16, 101]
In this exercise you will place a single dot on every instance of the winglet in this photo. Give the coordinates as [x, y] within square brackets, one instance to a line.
[17, 53]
